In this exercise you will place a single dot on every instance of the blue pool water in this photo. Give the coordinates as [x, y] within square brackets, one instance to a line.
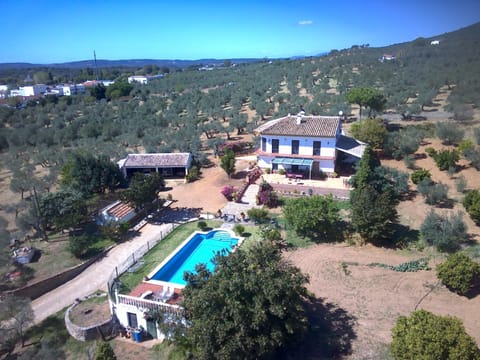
[201, 248]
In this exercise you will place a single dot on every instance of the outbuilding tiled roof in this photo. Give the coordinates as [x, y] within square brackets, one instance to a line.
[157, 160]
[301, 125]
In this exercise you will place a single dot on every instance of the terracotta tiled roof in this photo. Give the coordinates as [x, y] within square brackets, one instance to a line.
[120, 210]
[157, 160]
[297, 125]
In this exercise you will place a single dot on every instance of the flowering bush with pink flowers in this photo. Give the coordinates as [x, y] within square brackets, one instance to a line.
[228, 191]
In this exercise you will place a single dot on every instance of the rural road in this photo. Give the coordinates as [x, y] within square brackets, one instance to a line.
[95, 276]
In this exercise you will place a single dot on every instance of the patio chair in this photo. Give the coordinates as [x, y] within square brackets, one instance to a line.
[168, 294]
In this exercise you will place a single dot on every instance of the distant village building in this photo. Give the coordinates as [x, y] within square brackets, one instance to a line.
[93, 83]
[435, 42]
[33, 90]
[143, 79]
[3, 91]
[387, 57]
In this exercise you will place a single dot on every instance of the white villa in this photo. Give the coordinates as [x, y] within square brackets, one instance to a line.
[307, 146]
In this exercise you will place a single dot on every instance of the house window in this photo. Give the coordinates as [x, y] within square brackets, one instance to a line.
[275, 146]
[264, 144]
[316, 147]
[132, 320]
[295, 146]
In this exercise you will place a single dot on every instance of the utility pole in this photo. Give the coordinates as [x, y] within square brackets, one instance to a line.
[96, 68]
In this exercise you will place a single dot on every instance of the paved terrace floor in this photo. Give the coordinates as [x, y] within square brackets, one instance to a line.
[338, 187]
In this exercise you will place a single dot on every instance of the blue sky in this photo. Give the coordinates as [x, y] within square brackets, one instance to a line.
[49, 31]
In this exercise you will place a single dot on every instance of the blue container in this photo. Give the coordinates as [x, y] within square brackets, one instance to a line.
[137, 336]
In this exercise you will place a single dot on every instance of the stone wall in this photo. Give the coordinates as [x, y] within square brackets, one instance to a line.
[98, 331]
[41, 287]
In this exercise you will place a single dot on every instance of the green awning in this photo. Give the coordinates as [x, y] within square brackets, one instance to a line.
[292, 161]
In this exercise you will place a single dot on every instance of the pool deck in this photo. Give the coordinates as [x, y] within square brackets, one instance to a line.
[146, 287]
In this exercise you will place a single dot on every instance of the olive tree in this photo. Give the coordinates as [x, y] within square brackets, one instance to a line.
[424, 335]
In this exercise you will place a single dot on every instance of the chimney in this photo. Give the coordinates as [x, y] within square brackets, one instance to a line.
[299, 119]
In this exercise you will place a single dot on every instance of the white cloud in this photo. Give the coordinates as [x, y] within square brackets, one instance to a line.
[305, 22]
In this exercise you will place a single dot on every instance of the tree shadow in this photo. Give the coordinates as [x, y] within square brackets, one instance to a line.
[402, 237]
[239, 175]
[409, 195]
[330, 333]
[474, 291]
[331, 236]
[446, 204]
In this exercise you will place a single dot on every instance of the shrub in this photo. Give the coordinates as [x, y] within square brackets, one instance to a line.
[266, 195]
[424, 335]
[419, 175]
[268, 171]
[431, 151]
[446, 159]
[459, 273]
[444, 232]
[239, 229]
[465, 146]
[471, 202]
[400, 144]
[449, 133]
[258, 215]
[104, 351]
[434, 194]
[473, 156]
[192, 174]
[78, 245]
[281, 171]
[202, 225]
[228, 192]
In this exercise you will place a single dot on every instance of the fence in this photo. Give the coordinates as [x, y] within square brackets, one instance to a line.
[149, 304]
[134, 260]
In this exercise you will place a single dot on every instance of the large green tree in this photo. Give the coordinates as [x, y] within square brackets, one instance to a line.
[314, 216]
[370, 131]
[426, 336]
[62, 209]
[366, 97]
[90, 174]
[249, 308]
[373, 213]
[143, 190]
[373, 200]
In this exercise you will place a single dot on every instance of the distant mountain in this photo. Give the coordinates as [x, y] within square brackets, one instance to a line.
[127, 63]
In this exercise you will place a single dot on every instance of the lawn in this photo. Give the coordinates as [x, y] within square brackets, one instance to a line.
[159, 252]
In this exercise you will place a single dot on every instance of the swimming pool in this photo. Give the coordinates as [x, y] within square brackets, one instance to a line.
[200, 247]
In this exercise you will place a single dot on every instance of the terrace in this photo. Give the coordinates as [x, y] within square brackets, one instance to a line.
[290, 183]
